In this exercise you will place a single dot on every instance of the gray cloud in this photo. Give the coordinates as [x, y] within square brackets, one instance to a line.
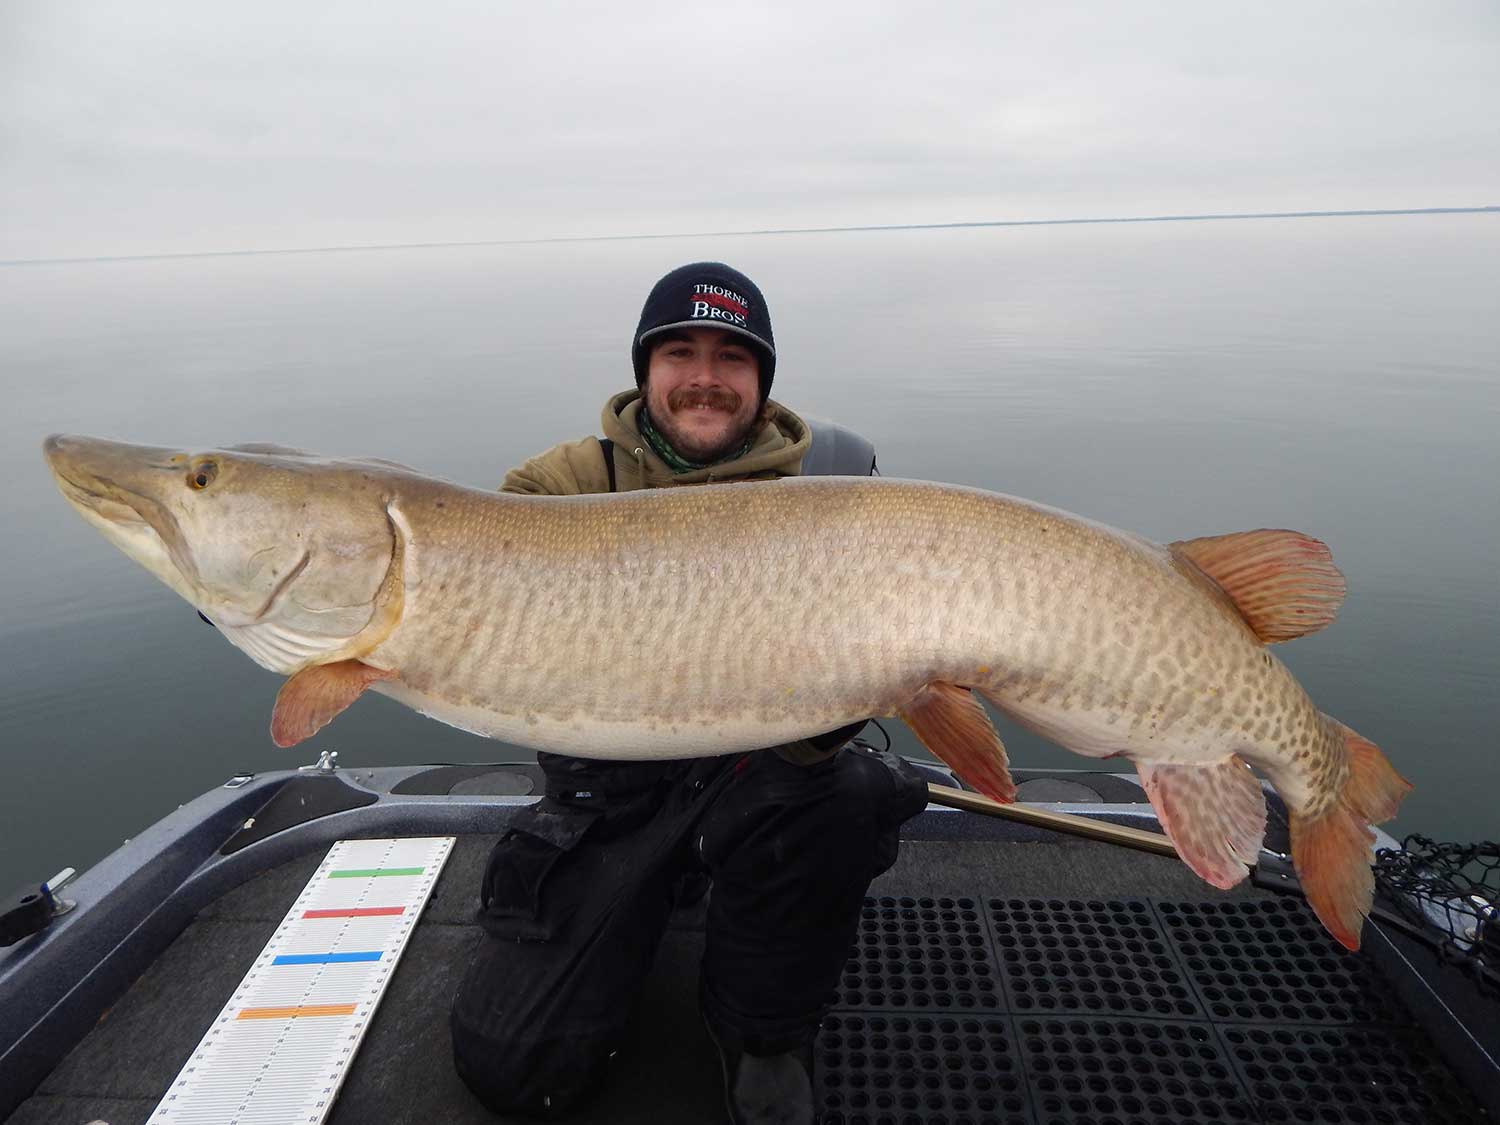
[173, 125]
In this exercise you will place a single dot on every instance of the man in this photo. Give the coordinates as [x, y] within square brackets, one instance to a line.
[576, 895]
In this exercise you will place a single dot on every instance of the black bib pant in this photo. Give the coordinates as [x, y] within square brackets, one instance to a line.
[577, 894]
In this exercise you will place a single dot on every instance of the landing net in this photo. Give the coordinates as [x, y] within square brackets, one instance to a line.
[1449, 892]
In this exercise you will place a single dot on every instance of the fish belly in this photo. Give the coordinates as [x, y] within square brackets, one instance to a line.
[585, 735]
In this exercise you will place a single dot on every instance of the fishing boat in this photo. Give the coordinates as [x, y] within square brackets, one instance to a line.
[1050, 963]
[1002, 971]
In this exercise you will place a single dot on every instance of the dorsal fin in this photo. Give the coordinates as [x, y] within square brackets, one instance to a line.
[268, 447]
[1283, 583]
[383, 463]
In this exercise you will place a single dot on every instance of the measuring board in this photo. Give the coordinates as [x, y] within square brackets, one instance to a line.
[278, 1052]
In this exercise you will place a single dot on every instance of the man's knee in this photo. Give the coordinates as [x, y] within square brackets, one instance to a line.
[854, 774]
[775, 812]
[875, 790]
[890, 788]
[883, 779]
[513, 1072]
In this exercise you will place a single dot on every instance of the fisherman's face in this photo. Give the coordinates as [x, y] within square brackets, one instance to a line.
[703, 391]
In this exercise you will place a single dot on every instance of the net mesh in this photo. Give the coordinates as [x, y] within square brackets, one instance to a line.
[1449, 892]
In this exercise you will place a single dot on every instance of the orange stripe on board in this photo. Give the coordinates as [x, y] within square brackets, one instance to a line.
[296, 1012]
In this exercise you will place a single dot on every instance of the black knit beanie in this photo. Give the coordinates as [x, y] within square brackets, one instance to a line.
[707, 295]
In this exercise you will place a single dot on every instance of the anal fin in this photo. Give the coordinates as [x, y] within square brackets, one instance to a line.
[309, 700]
[953, 724]
[1214, 813]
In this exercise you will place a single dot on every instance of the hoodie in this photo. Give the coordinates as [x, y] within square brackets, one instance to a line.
[577, 467]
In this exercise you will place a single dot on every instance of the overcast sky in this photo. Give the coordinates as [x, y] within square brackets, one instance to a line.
[159, 126]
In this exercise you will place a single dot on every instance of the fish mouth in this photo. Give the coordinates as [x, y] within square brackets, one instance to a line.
[92, 473]
[86, 487]
[99, 497]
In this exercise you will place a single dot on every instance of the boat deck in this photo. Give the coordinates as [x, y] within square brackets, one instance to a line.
[1053, 981]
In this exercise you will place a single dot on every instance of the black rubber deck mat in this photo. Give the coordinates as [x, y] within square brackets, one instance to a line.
[1135, 1070]
[1347, 1076]
[1088, 957]
[1269, 960]
[1121, 1012]
[883, 1067]
[927, 953]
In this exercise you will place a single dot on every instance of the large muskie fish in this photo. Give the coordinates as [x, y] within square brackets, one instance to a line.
[699, 621]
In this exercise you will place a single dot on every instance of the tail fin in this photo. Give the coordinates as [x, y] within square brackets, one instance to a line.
[1331, 852]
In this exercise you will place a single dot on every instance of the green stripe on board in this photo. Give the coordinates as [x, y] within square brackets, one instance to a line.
[373, 872]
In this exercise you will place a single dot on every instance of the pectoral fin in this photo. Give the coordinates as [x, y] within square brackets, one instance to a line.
[1214, 813]
[952, 724]
[308, 701]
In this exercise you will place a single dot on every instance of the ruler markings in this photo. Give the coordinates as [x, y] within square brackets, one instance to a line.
[279, 1051]
[337, 934]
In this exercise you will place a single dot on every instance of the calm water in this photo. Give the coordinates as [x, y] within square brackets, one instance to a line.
[1336, 376]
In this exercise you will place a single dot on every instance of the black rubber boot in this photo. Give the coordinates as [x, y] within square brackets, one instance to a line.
[769, 1089]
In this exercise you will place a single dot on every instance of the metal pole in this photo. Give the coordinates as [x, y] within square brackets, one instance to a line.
[1058, 822]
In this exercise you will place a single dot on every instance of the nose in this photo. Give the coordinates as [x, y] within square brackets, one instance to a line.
[705, 371]
[55, 446]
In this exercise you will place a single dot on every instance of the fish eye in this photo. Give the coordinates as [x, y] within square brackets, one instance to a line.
[202, 475]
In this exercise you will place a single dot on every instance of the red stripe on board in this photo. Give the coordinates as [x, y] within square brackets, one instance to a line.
[356, 912]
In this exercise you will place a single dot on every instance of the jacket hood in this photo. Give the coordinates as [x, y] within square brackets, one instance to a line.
[778, 451]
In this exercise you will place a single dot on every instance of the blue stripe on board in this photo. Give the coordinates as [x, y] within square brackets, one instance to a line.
[326, 958]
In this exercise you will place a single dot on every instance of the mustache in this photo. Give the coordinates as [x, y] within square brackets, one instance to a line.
[717, 398]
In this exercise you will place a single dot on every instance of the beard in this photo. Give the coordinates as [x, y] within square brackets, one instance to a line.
[694, 446]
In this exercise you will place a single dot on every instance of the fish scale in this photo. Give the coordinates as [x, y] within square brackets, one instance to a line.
[662, 664]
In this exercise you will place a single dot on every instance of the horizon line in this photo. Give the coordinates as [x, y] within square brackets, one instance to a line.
[857, 229]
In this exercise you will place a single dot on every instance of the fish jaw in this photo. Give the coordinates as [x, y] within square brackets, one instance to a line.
[106, 483]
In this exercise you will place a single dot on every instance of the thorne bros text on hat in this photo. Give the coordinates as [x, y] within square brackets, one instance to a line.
[707, 295]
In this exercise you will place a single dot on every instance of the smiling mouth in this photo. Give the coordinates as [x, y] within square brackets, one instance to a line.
[703, 400]
[703, 408]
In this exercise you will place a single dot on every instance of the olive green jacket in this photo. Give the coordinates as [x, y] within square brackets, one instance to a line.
[577, 467]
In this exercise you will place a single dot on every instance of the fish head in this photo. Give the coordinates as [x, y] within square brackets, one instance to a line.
[294, 557]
